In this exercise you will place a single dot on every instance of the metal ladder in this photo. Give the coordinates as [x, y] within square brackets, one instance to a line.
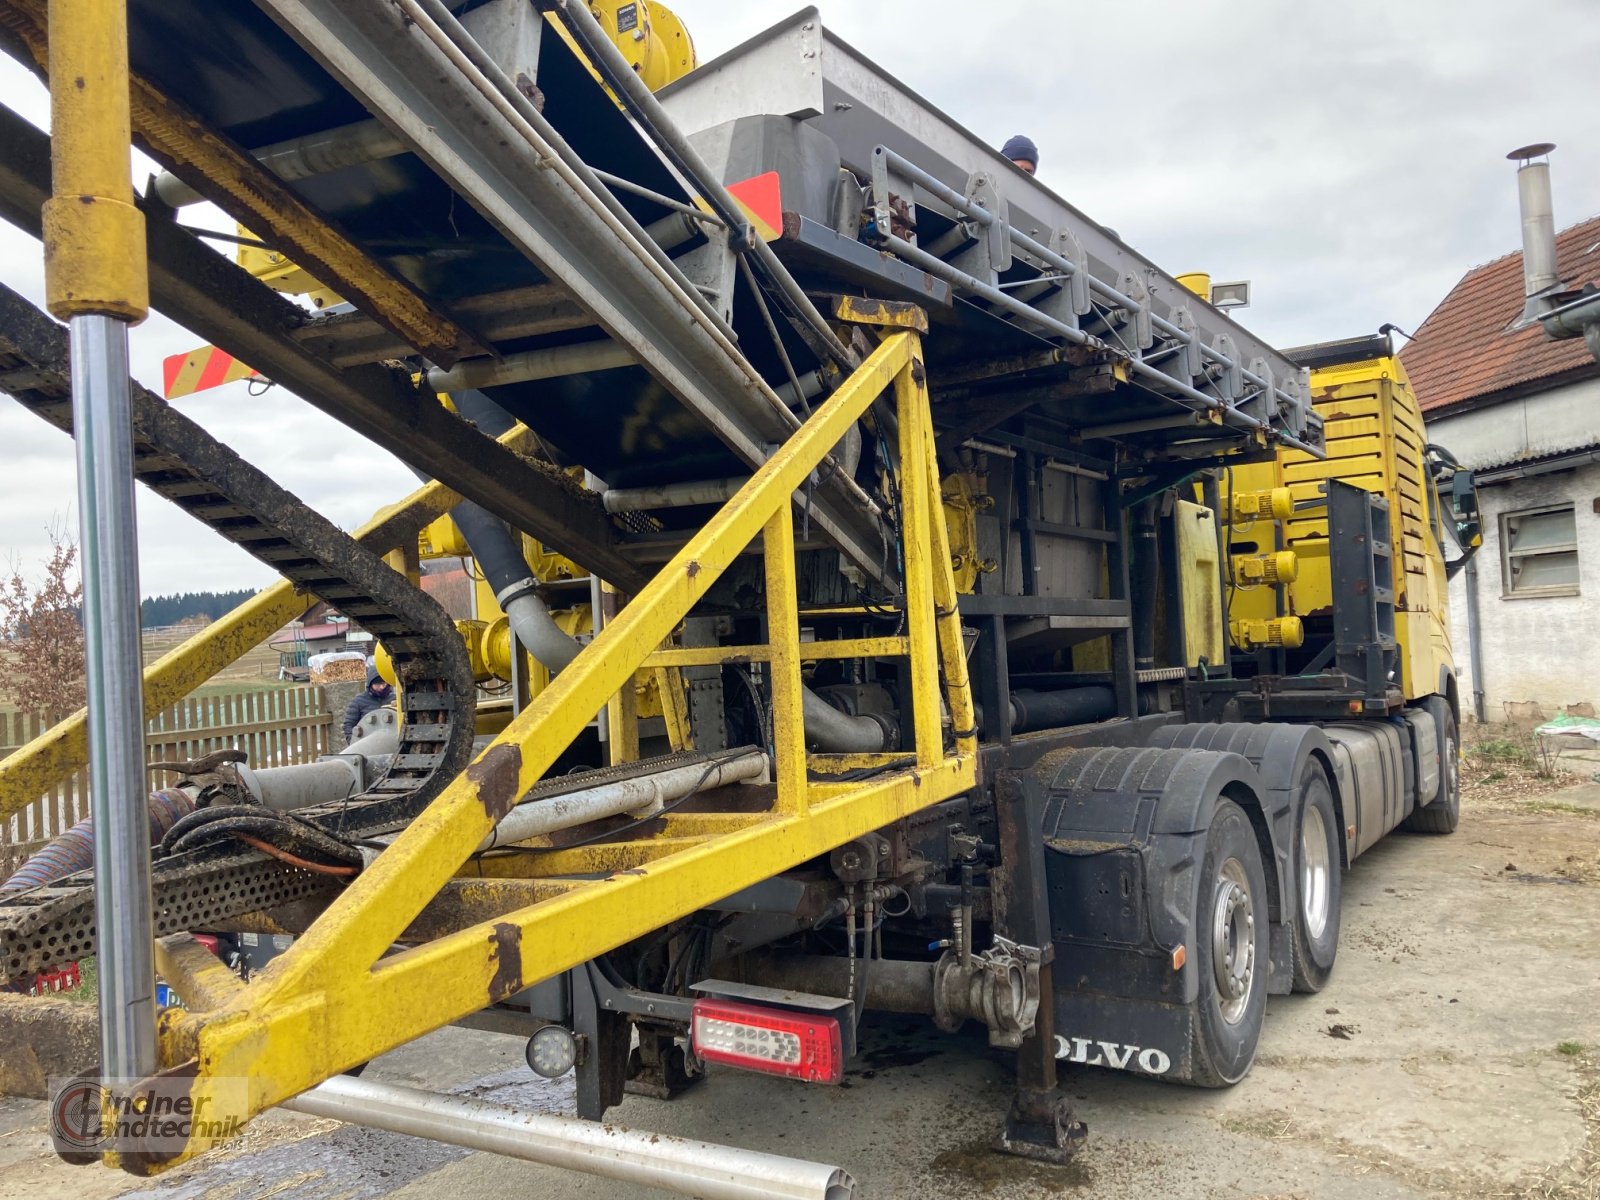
[1362, 560]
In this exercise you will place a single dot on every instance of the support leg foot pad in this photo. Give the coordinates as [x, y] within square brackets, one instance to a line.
[1041, 1126]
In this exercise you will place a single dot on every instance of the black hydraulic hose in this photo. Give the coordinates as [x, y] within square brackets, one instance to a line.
[493, 545]
[1144, 584]
[227, 822]
[498, 552]
[483, 412]
[1070, 706]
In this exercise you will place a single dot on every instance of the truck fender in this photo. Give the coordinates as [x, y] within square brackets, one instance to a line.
[1279, 754]
[1449, 689]
[1124, 833]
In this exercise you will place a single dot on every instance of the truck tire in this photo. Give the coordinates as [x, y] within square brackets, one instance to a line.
[1315, 936]
[1231, 951]
[1443, 813]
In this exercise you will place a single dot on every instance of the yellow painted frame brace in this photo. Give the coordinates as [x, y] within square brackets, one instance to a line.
[94, 260]
[338, 997]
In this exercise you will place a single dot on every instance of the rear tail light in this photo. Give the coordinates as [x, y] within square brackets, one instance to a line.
[773, 1040]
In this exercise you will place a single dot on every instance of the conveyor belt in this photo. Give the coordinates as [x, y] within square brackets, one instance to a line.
[177, 459]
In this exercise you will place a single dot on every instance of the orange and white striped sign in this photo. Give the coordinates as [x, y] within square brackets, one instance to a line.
[207, 367]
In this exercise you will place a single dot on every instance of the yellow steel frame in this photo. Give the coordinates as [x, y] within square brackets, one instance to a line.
[338, 996]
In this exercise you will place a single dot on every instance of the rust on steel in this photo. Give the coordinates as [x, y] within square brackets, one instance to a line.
[496, 777]
[505, 952]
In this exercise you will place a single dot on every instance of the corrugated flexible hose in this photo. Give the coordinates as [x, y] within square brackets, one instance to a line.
[73, 851]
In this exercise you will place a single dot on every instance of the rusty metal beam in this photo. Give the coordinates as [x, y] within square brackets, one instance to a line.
[349, 339]
[230, 177]
[229, 308]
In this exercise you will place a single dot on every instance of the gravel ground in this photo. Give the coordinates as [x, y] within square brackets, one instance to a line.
[1453, 1054]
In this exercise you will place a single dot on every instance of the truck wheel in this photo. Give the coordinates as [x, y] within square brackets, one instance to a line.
[1443, 813]
[1231, 951]
[1316, 860]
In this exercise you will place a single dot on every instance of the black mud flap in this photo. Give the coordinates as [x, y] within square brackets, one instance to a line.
[1141, 1036]
[1124, 836]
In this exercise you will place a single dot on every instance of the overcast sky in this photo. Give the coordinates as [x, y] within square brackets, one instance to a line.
[1347, 158]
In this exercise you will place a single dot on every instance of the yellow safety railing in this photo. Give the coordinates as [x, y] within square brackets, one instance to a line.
[339, 997]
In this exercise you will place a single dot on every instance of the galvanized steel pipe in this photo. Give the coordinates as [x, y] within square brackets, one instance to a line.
[331, 778]
[302, 785]
[643, 793]
[942, 191]
[954, 275]
[639, 795]
[671, 495]
[559, 361]
[304, 157]
[552, 363]
[675, 1164]
[1540, 270]
[103, 429]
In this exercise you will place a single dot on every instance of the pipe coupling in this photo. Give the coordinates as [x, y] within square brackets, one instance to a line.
[999, 987]
[515, 591]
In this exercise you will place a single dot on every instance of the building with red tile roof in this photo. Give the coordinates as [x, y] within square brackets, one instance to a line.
[1522, 410]
[1476, 349]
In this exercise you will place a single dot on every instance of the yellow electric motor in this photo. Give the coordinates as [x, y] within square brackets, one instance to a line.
[1266, 504]
[651, 38]
[1276, 632]
[1271, 569]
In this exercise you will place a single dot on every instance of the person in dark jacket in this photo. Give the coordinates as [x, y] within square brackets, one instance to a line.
[377, 694]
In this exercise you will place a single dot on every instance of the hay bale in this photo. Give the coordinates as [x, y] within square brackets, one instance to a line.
[348, 670]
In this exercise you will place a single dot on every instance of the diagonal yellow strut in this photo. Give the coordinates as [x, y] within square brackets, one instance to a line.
[333, 1001]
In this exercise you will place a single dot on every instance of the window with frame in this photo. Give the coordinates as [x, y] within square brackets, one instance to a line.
[1539, 551]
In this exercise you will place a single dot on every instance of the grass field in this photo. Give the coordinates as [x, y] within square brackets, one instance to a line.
[257, 669]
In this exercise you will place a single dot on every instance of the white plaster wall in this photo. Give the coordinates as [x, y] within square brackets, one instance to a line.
[1540, 648]
[1563, 418]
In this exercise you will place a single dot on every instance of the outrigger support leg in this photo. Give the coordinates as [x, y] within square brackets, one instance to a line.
[1040, 1124]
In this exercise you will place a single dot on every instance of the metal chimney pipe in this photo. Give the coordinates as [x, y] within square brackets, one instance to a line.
[1539, 273]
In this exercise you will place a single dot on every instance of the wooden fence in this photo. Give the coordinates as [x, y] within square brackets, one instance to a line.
[275, 728]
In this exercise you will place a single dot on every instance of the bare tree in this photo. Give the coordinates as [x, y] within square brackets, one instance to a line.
[41, 633]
